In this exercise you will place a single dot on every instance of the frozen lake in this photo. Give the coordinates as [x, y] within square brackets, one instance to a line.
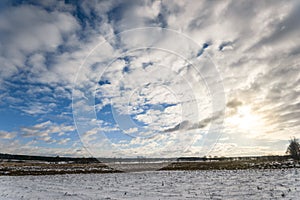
[241, 184]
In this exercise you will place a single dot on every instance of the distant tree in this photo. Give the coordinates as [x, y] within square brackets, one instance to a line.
[294, 149]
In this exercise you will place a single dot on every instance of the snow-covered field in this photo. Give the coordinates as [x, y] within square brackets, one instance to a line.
[240, 184]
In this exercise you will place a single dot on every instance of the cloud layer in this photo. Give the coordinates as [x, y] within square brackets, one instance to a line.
[184, 78]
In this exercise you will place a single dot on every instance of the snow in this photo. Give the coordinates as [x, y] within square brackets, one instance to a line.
[238, 184]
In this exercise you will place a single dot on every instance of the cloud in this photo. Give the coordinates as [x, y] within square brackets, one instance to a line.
[7, 135]
[131, 130]
[30, 148]
[45, 131]
[187, 125]
[234, 103]
[243, 68]
[64, 141]
[23, 33]
[151, 91]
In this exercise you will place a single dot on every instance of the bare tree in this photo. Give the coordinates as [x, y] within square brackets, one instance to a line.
[294, 149]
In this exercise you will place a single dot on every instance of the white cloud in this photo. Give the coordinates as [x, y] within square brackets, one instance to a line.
[7, 135]
[29, 29]
[64, 141]
[46, 131]
[131, 130]
[254, 47]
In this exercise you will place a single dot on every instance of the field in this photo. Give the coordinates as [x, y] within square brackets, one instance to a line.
[17, 168]
[35, 168]
[220, 184]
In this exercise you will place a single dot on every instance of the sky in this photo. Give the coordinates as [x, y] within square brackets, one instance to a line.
[149, 78]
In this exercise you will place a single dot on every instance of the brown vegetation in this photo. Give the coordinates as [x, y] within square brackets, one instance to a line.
[231, 165]
[17, 168]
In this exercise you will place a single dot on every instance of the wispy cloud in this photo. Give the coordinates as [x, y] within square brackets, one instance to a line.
[7, 135]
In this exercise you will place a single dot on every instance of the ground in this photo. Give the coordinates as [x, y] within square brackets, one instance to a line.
[205, 184]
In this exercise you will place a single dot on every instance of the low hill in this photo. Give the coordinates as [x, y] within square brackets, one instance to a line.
[46, 158]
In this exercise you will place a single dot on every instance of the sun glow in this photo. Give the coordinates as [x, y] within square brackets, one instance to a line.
[245, 120]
